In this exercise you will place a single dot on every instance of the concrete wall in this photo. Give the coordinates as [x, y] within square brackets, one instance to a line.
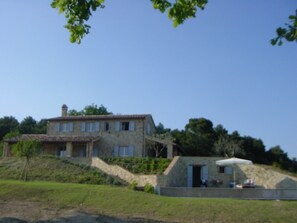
[279, 194]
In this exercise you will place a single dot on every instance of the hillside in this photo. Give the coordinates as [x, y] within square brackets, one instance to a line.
[55, 170]
[269, 178]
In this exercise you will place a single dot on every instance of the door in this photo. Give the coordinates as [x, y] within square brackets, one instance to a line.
[196, 176]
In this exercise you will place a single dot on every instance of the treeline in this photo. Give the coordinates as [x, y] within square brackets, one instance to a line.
[201, 138]
[9, 125]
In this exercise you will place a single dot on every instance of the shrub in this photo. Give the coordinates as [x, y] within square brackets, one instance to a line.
[133, 185]
[148, 188]
[140, 165]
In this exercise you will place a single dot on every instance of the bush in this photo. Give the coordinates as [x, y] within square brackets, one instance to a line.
[148, 188]
[133, 185]
[140, 165]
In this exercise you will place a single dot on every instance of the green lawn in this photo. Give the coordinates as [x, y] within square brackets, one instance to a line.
[123, 202]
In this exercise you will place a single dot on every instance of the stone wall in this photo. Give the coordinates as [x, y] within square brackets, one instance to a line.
[111, 138]
[176, 174]
[117, 171]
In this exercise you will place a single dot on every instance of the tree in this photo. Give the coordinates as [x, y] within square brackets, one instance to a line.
[27, 126]
[7, 124]
[78, 12]
[26, 149]
[92, 109]
[254, 149]
[41, 127]
[199, 137]
[227, 147]
[160, 129]
[160, 142]
[289, 33]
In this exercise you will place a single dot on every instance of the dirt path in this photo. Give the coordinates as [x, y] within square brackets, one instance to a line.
[35, 212]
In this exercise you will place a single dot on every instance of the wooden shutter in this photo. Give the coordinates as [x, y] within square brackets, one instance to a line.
[190, 176]
[116, 151]
[130, 151]
[83, 127]
[204, 173]
[57, 127]
[117, 126]
[97, 126]
[70, 127]
[131, 126]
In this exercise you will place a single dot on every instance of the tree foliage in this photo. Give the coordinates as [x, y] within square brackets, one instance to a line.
[289, 33]
[92, 109]
[78, 12]
[225, 146]
[199, 137]
[27, 126]
[8, 124]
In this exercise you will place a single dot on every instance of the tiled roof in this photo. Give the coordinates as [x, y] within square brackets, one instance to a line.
[52, 138]
[100, 117]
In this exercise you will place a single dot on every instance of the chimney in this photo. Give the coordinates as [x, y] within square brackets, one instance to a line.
[64, 110]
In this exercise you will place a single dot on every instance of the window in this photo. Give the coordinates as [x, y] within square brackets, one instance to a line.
[125, 126]
[123, 151]
[226, 169]
[64, 127]
[90, 126]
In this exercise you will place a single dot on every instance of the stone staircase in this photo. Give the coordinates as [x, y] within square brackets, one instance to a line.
[123, 174]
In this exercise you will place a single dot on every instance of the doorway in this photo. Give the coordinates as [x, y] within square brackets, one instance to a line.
[197, 173]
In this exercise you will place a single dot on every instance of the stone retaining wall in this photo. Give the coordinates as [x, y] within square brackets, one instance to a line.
[117, 171]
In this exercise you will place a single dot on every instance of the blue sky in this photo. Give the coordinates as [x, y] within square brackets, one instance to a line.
[220, 65]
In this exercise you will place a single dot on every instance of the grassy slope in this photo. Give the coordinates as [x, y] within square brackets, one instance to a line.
[52, 169]
[122, 202]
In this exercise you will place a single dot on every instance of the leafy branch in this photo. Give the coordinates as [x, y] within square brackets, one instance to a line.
[289, 33]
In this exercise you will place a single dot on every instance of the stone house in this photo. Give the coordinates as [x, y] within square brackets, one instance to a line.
[95, 135]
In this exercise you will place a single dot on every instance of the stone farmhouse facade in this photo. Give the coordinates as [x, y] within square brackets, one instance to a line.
[94, 136]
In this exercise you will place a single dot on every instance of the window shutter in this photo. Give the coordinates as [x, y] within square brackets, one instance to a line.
[57, 127]
[71, 127]
[131, 126]
[116, 151]
[228, 170]
[122, 151]
[117, 126]
[88, 127]
[148, 128]
[83, 126]
[97, 126]
[204, 173]
[130, 151]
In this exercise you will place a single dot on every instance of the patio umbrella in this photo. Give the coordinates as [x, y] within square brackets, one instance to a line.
[232, 161]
